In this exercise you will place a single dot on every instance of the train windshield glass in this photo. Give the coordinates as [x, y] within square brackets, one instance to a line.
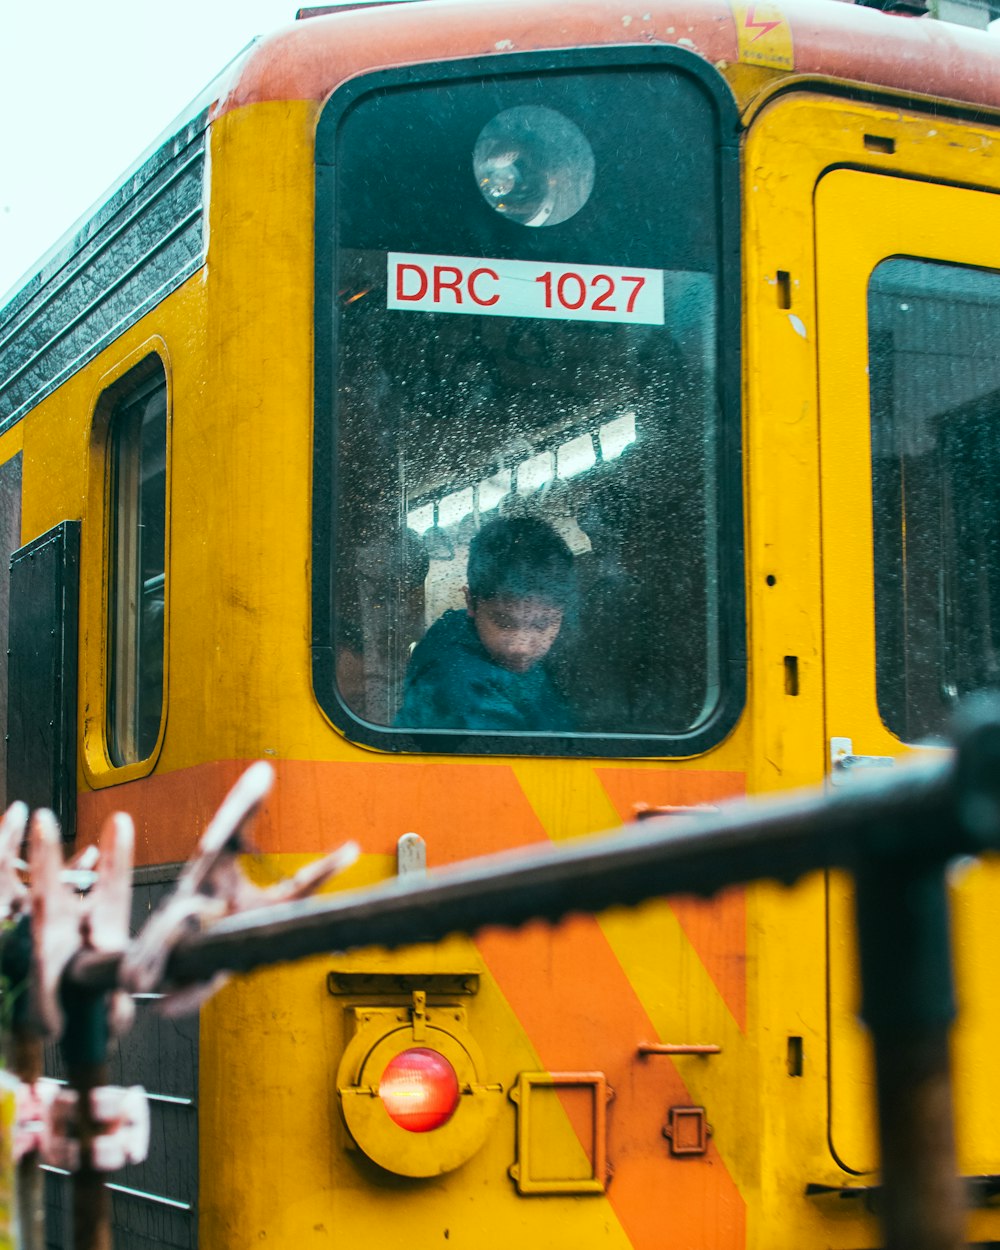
[935, 404]
[526, 518]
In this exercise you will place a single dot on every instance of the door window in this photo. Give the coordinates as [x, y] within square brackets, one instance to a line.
[935, 425]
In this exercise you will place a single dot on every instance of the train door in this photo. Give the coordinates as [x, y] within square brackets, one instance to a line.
[908, 317]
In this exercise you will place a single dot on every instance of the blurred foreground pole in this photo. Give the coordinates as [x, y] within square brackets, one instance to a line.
[908, 995]
[25, 1059]
[908, 1004]
[84, 1046]
[27, 1052]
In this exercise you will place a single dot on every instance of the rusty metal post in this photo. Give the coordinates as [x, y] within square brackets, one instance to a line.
[908, 1003]
[84, 1046]
[26, 1058]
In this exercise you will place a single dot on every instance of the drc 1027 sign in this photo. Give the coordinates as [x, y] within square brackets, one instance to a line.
[523, 288]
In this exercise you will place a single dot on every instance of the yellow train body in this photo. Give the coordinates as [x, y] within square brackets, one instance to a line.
[837, 173]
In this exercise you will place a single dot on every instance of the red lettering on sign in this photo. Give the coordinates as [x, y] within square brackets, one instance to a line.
[421, 290]
[483, 273]
[546, 280]
[562, 291]
[511, 288]
[452, 282]
[640, 282]
[608, 283]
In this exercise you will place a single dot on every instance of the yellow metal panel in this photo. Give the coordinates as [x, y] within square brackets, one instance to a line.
[549, 1160]
[862, 220]
[277, 1100]
[792, 145]
[785, 928]
[685, 1007]
[11, 443]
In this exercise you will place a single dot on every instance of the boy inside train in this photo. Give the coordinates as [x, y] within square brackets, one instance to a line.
[484, 668]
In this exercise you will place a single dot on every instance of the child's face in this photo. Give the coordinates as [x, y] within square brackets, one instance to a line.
[517, 632]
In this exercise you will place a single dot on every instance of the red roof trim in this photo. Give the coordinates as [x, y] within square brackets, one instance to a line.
[917, 55]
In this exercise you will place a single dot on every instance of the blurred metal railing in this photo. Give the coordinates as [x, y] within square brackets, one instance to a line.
[895, 832]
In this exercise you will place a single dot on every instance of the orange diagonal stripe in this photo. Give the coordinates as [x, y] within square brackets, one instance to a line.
[716, 928]
[580, 1013]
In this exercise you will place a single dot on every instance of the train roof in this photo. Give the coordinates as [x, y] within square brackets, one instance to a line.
[833, 39]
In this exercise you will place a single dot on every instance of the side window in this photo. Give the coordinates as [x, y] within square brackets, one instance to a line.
[935, 413]
[137, 564]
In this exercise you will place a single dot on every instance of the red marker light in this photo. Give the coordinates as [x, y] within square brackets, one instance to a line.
[419, 1090]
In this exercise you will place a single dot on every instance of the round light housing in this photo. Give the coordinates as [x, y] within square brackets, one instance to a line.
[419, 1090]
[534, 165]
[367, 1072]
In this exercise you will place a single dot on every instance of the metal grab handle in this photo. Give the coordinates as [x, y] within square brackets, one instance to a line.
[678, 1048]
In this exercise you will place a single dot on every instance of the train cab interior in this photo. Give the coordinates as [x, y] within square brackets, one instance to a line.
[508, 427]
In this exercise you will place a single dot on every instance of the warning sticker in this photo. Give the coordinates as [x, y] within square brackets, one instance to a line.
[764, 35]
[524, 288]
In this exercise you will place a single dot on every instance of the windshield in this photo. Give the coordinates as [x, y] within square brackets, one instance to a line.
[527, 328]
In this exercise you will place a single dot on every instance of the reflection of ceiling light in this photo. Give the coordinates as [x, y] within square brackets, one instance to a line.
[455, 506]
[616, 435]
[534, 165]
[545, 469]
[492, 490]
[576, 456]
[533, 473]
[420, 519]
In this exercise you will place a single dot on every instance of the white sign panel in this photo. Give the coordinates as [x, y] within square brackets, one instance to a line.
[524, 288]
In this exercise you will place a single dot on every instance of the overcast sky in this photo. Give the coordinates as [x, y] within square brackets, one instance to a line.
[86, 86]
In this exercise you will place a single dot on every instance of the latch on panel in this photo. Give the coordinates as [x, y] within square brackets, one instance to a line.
[687, 1130]
[844, 763]
[418, 1014]
[541, 1167]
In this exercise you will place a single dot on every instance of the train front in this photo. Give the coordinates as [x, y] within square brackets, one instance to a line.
[525, 328]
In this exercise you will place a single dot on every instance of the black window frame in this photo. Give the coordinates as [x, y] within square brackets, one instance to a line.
[731, 620]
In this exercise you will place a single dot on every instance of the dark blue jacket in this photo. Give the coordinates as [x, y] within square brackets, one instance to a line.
[453, 683]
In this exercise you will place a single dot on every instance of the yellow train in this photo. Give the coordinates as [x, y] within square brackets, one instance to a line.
[710, 293]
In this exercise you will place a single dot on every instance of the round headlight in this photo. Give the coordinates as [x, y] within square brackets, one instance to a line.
[534, 165]
[419, 1090]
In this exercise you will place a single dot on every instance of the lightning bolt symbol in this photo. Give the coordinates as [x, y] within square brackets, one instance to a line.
[760, 27]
